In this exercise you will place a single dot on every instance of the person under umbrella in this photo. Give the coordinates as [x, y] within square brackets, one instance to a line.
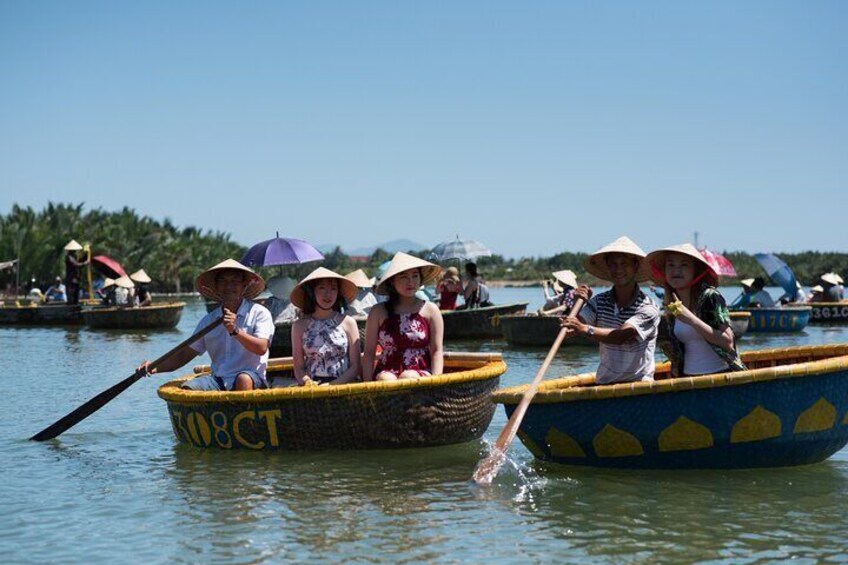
[238, 347]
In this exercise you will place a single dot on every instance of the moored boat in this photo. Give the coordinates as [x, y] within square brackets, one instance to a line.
[789, 408]
[439, 410]
[777, 320]
[829, 312]
[536, 331]
[478, 323]
[33, 314]
[739, 323]
[154, 316]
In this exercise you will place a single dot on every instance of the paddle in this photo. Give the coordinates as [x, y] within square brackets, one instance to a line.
[104, 397]
[488, 468]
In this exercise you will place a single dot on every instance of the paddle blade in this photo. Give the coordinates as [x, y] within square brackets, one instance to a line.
[86, 409]
[487, 469]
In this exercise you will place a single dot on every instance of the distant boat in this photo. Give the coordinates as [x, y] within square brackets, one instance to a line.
[143, 317]
[780, 319]
[33, 314]
[829, 312]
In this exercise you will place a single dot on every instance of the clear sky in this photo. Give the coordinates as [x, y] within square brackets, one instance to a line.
[533, 127]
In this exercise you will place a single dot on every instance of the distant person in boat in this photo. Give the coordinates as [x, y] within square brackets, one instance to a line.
[695, 333]
[833, 291]
[124, 292]
[816, 294]
[754, 295]
[107, 292]
[623, 320]
[475, 291]
[56, 292]
[73, 270]
[408, 330]
[797, 297]
[365, 299]
[325, 341]
[279, 303]
[238, 347]
[565, 283]
[449, 288]
[142, 296]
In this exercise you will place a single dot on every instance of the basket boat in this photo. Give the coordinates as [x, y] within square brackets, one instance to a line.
[478, 323]
[154, 316]
[777, 320]
[739, 322]
[789, 408]
[439, 410]
[829, 312]
[40, 315]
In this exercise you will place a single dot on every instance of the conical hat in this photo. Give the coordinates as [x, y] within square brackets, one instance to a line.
[566, 277]
[140, 277]
[347, 288]
[107, 282]
[403, 262]
[205, 281]
[817, 288]
[748, 283]
[831, 278]
[656, 260]
[124, 282]
[280, 286]
[73, 246]
[596, 264]
[360, 279]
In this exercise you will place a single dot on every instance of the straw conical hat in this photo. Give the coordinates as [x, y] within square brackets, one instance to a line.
[140, 277]
[817, 288]
[205, 281]
[831, 278]
[107, 282]
[656, 260]
[347, 288]
[124, 282]
[73, 246]
[748, 283]
[566, 277]
[596, 264]
[280, 286]
[360, 279]
[403, 262]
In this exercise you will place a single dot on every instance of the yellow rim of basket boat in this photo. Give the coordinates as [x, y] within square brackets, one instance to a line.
[578, 387]
[487, 366]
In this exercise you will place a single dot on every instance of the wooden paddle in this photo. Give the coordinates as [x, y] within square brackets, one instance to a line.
[104, 397]
[488, 468]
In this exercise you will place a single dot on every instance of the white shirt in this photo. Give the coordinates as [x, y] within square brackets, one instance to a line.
[700, 358]
[229, 357]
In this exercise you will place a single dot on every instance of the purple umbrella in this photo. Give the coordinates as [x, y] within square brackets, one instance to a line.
[280, 251]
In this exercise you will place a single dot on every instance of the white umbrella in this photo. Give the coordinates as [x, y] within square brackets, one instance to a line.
[463, 249]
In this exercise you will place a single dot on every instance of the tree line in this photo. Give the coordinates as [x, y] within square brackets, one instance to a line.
[173, 256]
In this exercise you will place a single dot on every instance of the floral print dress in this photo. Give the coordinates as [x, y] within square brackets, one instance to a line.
[405, 342]
[325, 349]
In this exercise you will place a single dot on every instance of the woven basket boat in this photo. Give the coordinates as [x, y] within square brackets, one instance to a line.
[777, 320]
[439, 410]
[829, 312]
[478, 323]
[789, 408]
[154, 316]
[40, 315]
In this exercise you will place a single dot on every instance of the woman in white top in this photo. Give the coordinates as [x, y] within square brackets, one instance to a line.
[325, 342]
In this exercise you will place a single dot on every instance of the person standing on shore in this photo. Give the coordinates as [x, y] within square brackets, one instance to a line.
[623, 320]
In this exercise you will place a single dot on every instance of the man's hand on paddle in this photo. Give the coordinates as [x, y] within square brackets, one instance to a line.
[145, 368]
[583, 292]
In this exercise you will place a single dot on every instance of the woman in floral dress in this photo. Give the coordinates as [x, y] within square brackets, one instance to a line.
[407, 329]
[325, 342]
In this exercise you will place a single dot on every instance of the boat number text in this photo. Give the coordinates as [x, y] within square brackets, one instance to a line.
[193, 428]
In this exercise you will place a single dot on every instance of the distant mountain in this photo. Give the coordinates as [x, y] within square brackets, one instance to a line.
[390, 246]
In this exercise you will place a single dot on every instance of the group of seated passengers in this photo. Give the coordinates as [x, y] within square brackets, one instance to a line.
[408, 331]
[475, 293]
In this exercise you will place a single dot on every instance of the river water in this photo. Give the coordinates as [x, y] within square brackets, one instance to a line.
[117, 486]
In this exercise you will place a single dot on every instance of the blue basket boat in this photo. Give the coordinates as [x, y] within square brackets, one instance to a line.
[789, 408]
[778, 320]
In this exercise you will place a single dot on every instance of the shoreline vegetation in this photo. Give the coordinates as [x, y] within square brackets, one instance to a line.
[173, 256]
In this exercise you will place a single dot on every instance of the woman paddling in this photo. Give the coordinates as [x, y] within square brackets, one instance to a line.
[695, 335]
[409, 330]
[325, 342]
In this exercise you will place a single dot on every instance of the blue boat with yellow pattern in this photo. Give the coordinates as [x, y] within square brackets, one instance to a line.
[781, 319]
[789, 408]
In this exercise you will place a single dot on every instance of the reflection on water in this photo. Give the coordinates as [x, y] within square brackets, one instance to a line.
[118, 484]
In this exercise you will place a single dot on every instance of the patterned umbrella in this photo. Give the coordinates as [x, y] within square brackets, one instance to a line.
[280, 251]
[463, 249]
[719, 263]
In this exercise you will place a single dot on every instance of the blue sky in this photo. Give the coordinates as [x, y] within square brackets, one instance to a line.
[534, 127]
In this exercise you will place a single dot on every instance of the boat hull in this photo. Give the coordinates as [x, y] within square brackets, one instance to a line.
[536, 331]
[47, 315]
[478, 323]
[793, 413]
[439, 410]
[739, 323]
[829, 312]
[778, 320]
[146, 317]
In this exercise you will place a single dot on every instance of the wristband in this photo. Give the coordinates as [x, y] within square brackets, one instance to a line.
[590, 331]
[234, 332]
